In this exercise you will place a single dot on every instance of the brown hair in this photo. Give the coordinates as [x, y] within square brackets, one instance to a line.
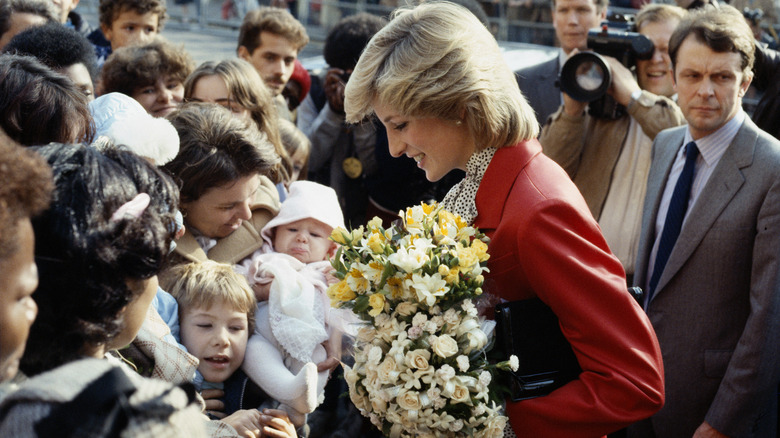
[216, 148]
[110, 9]
[722, 29]
[25, 191]
[245, 86]
[658, 13]
[274, 20]
[39, 106]
[133, 67]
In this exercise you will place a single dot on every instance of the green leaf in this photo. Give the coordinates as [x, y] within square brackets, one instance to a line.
[361, 304]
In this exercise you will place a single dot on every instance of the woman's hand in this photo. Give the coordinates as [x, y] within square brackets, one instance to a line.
[214, 406]
[277, 424]
[246, 422]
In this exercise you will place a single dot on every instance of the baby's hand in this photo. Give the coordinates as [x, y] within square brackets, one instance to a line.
[330, 279]
[246, 422]
[262, 291]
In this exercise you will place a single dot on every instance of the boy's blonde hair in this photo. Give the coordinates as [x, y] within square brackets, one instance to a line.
[203, 284]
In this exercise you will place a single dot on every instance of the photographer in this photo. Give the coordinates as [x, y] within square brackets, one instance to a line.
[609, 159]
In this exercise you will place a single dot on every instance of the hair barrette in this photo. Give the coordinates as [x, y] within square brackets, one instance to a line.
[132, 209]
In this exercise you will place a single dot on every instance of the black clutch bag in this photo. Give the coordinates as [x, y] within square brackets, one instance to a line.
[529, 329]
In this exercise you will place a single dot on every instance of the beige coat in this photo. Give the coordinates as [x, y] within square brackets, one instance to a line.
[588, 148]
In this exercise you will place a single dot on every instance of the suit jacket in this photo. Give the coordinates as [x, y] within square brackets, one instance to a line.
[716, 309]
[546, 244]
[537, 83]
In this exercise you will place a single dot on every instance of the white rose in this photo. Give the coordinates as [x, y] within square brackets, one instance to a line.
[378, 405]
[406, 308]
[408, 400]
[476, 340]
[445, 346]
[460, 394]
[386, 373]
[366, 334]
[494, 427]
[418, 359]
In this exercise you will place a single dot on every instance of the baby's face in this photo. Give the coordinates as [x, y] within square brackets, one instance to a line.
[306, 240]
[217, 336]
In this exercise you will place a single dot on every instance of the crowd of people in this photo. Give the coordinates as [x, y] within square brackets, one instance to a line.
[165, 227]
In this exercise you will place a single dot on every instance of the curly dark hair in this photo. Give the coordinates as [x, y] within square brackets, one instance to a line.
[349, 37]
[85, 261]
[25, 191]
[133, 67]
[55, 45]
[38, 106]
[216, 148]
[109, 10]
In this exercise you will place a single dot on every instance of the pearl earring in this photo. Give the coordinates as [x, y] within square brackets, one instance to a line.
[458, 122]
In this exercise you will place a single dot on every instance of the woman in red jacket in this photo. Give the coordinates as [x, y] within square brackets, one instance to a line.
[436, 78]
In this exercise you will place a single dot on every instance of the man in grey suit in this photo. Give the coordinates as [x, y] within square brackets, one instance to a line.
[709, 253]
[571, 19]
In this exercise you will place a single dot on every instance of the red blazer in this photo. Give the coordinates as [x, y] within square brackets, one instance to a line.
[545, 243]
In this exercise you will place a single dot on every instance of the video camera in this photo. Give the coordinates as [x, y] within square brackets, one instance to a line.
[586, 76]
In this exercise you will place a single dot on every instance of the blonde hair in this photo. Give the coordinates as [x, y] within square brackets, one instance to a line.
[248, 90]
[203, 284]
[438, 60]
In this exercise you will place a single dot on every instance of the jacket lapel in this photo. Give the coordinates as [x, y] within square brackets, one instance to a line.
[663, 158]
[723, 184]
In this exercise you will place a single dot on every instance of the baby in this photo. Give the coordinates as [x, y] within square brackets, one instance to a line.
[292, 314]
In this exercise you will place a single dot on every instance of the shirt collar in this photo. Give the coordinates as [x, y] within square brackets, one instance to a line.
[712, 146]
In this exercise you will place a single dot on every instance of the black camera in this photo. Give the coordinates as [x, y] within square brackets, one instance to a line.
[586, 76]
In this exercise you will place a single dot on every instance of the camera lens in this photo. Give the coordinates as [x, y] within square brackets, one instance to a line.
[585, 77]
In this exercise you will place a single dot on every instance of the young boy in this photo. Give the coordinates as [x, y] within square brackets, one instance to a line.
[292, 316]
[126, 22]
[216, 311]
[153, 74]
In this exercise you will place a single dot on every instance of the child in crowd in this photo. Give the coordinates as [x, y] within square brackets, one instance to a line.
[126, 22]
[152, 74]
[288, 276]
[63, 50]
[217, 310]
[298, 148]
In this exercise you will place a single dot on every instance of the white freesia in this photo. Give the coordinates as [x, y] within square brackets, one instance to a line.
[408, 260]
[428, 287]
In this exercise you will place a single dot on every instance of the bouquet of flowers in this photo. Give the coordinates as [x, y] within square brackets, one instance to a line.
[420, 361]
